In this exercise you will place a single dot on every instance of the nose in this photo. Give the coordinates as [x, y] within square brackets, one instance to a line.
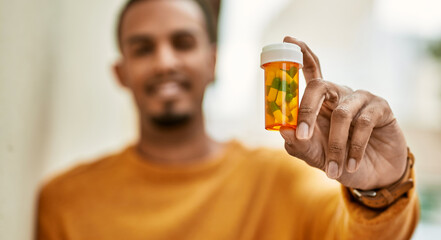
[166, 59]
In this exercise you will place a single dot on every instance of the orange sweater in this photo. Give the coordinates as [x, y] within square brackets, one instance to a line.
[242, 194]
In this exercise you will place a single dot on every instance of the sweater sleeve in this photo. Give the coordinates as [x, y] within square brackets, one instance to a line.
[47, 219]
[330, 212]
[398, 221]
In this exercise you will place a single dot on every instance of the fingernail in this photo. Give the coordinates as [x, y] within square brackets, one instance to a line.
[302, 131]
[351, 165]
[332, 170]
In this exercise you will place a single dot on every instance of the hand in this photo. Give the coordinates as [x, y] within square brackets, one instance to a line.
[351, 135]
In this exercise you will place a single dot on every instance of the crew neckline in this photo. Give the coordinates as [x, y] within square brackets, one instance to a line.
[134, 157]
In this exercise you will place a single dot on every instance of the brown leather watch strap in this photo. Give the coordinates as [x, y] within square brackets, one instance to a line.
[383, 197]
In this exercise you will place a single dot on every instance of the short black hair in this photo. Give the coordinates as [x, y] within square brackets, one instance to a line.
[211, 21]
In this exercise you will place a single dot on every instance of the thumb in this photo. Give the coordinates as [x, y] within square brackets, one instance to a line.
[305, 150]
[288, 134]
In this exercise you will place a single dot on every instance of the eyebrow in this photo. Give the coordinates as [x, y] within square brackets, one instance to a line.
[186, 32]
[139, 39]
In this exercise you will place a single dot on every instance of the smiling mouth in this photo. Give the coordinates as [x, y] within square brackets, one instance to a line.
[168, 87]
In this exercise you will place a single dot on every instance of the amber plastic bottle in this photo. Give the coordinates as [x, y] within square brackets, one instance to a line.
[281, 63]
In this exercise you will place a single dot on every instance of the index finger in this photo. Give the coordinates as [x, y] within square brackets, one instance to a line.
[311, 65]
[313, 98]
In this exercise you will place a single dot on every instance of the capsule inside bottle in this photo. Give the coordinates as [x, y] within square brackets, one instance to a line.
[281, 95]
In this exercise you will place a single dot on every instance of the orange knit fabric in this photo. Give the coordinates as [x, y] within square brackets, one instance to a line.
[241, 194]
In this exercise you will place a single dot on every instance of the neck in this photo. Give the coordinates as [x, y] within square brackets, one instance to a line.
[183, 145]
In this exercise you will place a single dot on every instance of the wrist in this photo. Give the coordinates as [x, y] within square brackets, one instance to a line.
[383, 197]
[401, 174]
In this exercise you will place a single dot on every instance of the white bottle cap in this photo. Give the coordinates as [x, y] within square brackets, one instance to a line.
[281, 52]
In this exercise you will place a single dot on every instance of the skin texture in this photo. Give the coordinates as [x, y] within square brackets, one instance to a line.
[351, 135]
[167, 68]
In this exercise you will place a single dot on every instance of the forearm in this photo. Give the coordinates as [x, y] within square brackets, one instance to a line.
[332, 213]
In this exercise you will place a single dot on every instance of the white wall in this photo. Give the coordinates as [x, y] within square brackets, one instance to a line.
[25, 75]
[90, 113]
[58, 100]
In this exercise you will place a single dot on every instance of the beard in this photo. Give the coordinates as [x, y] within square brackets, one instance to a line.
[171, 119]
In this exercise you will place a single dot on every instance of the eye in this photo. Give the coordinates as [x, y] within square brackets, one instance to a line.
[143, 49]
[184, 42]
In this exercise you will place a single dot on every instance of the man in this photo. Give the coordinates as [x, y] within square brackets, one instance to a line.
[177, 183]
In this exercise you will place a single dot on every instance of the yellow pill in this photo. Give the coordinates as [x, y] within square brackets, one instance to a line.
[284, 76]
[272, 94]
[280, 97]
[270, 75]
[293, 103]
[278, 116]
[294, 114]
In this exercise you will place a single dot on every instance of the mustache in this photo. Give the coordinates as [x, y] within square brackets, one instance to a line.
[152, 84]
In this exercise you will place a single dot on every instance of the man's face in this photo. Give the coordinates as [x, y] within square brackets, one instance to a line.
[167, 61]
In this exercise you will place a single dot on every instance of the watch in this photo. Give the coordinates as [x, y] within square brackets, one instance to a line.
[383, 197]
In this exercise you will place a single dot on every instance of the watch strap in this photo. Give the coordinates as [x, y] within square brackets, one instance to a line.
[383, 197]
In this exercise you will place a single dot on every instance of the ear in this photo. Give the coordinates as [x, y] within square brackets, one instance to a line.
[214, 53]
[119, 71]
[213, 58]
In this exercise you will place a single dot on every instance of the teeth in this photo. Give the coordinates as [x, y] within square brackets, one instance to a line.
[168, 89]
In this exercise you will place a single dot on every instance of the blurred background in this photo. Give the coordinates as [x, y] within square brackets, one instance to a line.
[60, 103]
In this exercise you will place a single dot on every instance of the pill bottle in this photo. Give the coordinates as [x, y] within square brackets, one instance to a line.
[281, 63]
